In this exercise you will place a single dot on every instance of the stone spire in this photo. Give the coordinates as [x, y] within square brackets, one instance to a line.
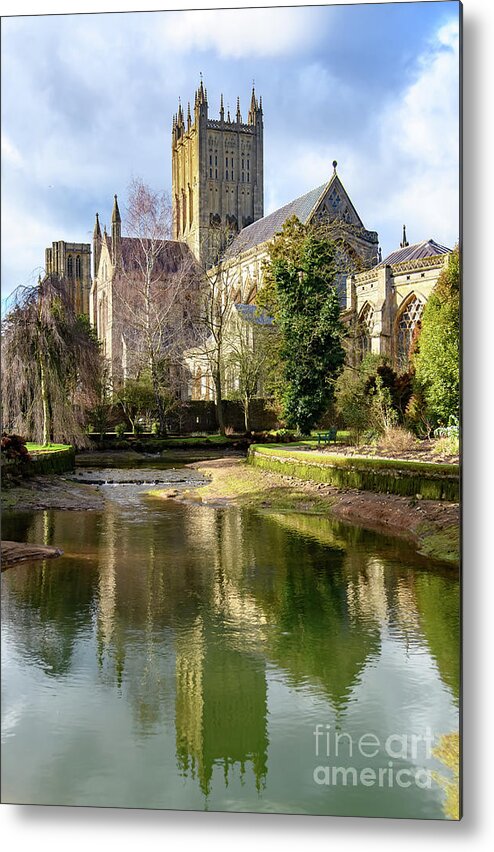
[115, 216]
[404, 243]
[116, 232]
[239, 115]
[189, 119]
[96, 245]
[253, 107]
[97, 229]
[222, 108]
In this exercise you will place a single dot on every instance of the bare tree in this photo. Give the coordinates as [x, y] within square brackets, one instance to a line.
[215, 309]
[249, 346]
[51, 364]
[158, 286]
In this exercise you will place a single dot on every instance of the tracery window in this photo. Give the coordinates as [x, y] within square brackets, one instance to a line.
[70, 266]
[408, 321]
[78, 266]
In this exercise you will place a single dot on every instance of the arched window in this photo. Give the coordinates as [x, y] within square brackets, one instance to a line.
[70, 266]
[191, 207]
[78, 266]
[364, 334]
[407, 322]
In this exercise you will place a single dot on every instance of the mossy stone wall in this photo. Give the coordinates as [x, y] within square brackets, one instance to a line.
[407, 479]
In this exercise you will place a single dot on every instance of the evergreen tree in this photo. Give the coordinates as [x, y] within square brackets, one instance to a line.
[437, 361]
[301, 296]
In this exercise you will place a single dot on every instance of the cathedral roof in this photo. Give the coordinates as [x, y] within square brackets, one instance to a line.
[427, 248]
[329, 199]
[264, 229]
[168, 260]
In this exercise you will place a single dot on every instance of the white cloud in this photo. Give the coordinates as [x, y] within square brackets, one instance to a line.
[10, 153]
[240, 32]
[420, 144]
[402, 163]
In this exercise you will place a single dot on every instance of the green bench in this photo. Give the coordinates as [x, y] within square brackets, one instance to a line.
[326, 437]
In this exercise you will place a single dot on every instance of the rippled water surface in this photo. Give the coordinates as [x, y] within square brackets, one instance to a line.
[182, 656]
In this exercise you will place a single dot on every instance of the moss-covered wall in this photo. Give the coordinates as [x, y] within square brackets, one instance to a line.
[55, 461]
[431, 481]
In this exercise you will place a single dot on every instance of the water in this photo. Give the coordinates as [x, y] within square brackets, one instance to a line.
[182, 656]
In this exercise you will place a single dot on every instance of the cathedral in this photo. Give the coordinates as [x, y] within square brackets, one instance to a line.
[219, 223]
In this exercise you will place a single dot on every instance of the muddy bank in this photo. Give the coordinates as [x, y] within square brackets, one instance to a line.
[433, 526]
[51, 492]
[14, 552]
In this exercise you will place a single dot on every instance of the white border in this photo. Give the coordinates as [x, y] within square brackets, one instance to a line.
[80, 829]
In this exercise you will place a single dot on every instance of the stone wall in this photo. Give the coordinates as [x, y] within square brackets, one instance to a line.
[200, 416]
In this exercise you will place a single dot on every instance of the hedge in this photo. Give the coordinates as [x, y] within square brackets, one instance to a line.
[391, 476]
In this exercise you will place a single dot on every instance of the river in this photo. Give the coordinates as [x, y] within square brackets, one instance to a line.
[192, 657]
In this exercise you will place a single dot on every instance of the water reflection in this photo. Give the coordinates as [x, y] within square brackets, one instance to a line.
[197, 619]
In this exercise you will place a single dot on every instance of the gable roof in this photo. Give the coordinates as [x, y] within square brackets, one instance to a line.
[303, 207]
[264, 229]
[427, 248]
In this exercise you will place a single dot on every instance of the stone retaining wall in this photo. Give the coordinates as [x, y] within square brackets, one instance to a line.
[390, 476]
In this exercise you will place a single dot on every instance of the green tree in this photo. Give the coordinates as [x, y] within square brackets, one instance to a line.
[437, 361]
[137, 399]
[304, 303]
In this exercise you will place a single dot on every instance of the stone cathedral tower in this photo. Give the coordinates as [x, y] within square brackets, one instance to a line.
[217, 175]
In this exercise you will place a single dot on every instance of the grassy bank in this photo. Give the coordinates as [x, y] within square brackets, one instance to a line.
[390, 476]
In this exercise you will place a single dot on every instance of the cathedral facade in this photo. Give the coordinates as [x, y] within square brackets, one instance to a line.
[219, 222]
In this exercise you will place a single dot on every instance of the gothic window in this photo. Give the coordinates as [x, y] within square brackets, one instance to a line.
[365, 325]
[70, 266]
[407, 323]
[184, 211]
[78, 266]
[334, 199]
[191, 207]
[210, 165]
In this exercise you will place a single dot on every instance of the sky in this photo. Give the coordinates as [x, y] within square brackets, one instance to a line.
[88, 101]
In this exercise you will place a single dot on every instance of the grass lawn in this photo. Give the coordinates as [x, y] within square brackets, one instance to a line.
[45, 448]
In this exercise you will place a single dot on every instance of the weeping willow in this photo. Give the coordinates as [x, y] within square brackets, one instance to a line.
[51, 365]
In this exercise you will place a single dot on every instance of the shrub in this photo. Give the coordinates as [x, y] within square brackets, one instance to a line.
[417, 416]
[447, 446]
[14, 448]
[120, 430]
[383, 414]
[396, 439]
[452, 430]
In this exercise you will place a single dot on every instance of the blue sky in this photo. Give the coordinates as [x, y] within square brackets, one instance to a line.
[87, 104]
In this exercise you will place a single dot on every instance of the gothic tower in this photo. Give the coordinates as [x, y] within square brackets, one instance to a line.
[217, 175]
